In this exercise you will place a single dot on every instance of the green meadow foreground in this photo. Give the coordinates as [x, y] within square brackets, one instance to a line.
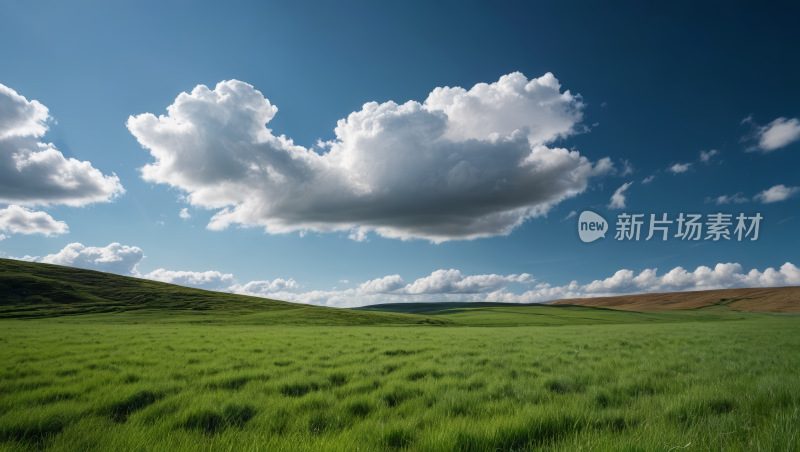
[719, 386]
[434, 378]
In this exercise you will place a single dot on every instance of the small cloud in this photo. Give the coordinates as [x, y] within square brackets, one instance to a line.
[344, 281]
[303, 233]
[595, 124]
[776, 194]
[618, 198]
[679, 168]
[775, 135]
[787, 219]
[706, 156]
[160, 222]
[627, 168]
[725, 199]
[185, 213]
[649, 179]
[778, 134]
[359, 234]
[747, 119]
[603, 104]
[571, 214]
[2, 237]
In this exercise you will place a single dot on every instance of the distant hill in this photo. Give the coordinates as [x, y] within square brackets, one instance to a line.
[34, 290]
[770, 299]
[538, 314]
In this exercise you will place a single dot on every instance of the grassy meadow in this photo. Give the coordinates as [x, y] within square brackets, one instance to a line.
[90, 361]
[73, 386]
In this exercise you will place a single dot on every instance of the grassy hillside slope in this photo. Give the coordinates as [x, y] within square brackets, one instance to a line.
[768, 299]
[34, 290]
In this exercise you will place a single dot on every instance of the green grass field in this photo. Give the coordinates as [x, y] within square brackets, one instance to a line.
[232, 378]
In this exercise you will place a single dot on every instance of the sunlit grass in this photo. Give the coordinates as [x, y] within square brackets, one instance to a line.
[730, 386]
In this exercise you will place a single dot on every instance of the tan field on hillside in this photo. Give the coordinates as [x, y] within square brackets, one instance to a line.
[770, 299]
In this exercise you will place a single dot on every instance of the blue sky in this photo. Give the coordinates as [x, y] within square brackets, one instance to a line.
[701, 100]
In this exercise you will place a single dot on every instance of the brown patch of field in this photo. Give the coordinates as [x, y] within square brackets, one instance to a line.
[770, 299]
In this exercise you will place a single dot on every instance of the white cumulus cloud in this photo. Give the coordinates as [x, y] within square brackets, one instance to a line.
[463, 164]
[184, 213]
[114, 258]
[450, 285]
[263, 288]
[679, 168]
[777, 134]
[722, 276]
[452, 281]
[20, 220]
[441, 285]
[618, 198]
[207, 280]
[776, 194]
[36, 173]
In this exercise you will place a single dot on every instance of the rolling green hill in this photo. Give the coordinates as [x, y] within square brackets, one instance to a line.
[34, 290]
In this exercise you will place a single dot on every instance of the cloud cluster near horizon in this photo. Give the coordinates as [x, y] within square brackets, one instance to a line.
[462, 164]
[440, 286]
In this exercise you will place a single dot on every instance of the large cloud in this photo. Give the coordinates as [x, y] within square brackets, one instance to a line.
[35, 173]
[461, 165]
[19, 220]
